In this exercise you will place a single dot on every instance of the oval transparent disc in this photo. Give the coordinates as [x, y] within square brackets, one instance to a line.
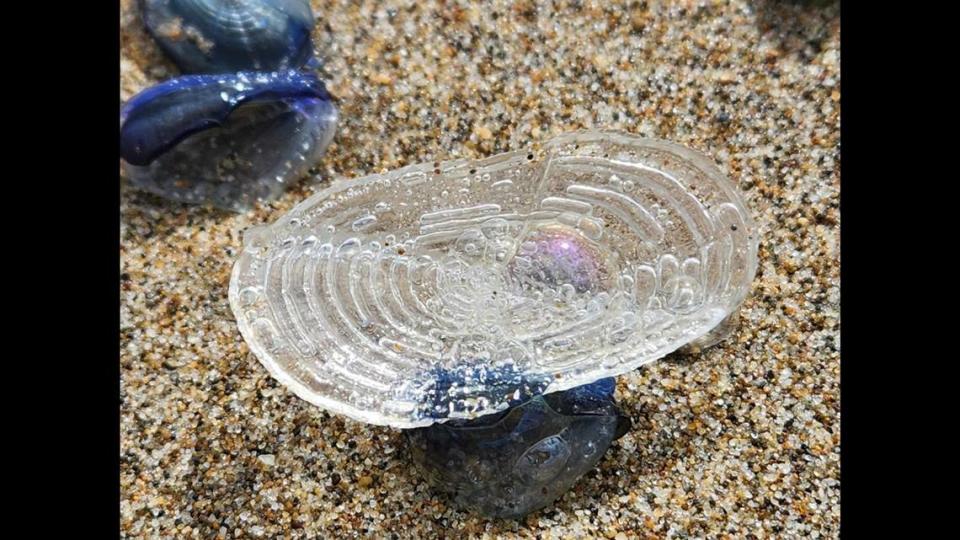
[456, 289]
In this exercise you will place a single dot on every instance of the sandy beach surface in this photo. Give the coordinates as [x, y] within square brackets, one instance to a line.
[742, 441]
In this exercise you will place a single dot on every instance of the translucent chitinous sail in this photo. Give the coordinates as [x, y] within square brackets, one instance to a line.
[457, 289]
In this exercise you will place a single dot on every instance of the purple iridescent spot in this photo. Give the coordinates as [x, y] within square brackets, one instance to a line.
[558, 256]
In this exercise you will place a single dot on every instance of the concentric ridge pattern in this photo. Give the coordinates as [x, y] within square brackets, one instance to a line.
[455, 289]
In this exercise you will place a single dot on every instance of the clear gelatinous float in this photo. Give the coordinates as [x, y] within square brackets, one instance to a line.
[454, 290]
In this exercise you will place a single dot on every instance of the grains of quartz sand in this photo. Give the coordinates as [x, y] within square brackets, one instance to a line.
[741, 441]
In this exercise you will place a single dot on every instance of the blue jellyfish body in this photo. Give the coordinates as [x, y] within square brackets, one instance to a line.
[512, 463]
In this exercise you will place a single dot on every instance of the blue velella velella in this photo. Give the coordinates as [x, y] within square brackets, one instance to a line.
[220, 36]
[484, 306]
[512, 463]
[226, 140]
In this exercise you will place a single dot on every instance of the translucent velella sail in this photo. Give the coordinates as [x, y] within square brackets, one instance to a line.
[457, 289]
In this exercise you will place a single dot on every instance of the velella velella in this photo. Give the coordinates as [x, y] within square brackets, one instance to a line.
[460, 297]
[226, 140]
[517, 461]
[222, 36]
